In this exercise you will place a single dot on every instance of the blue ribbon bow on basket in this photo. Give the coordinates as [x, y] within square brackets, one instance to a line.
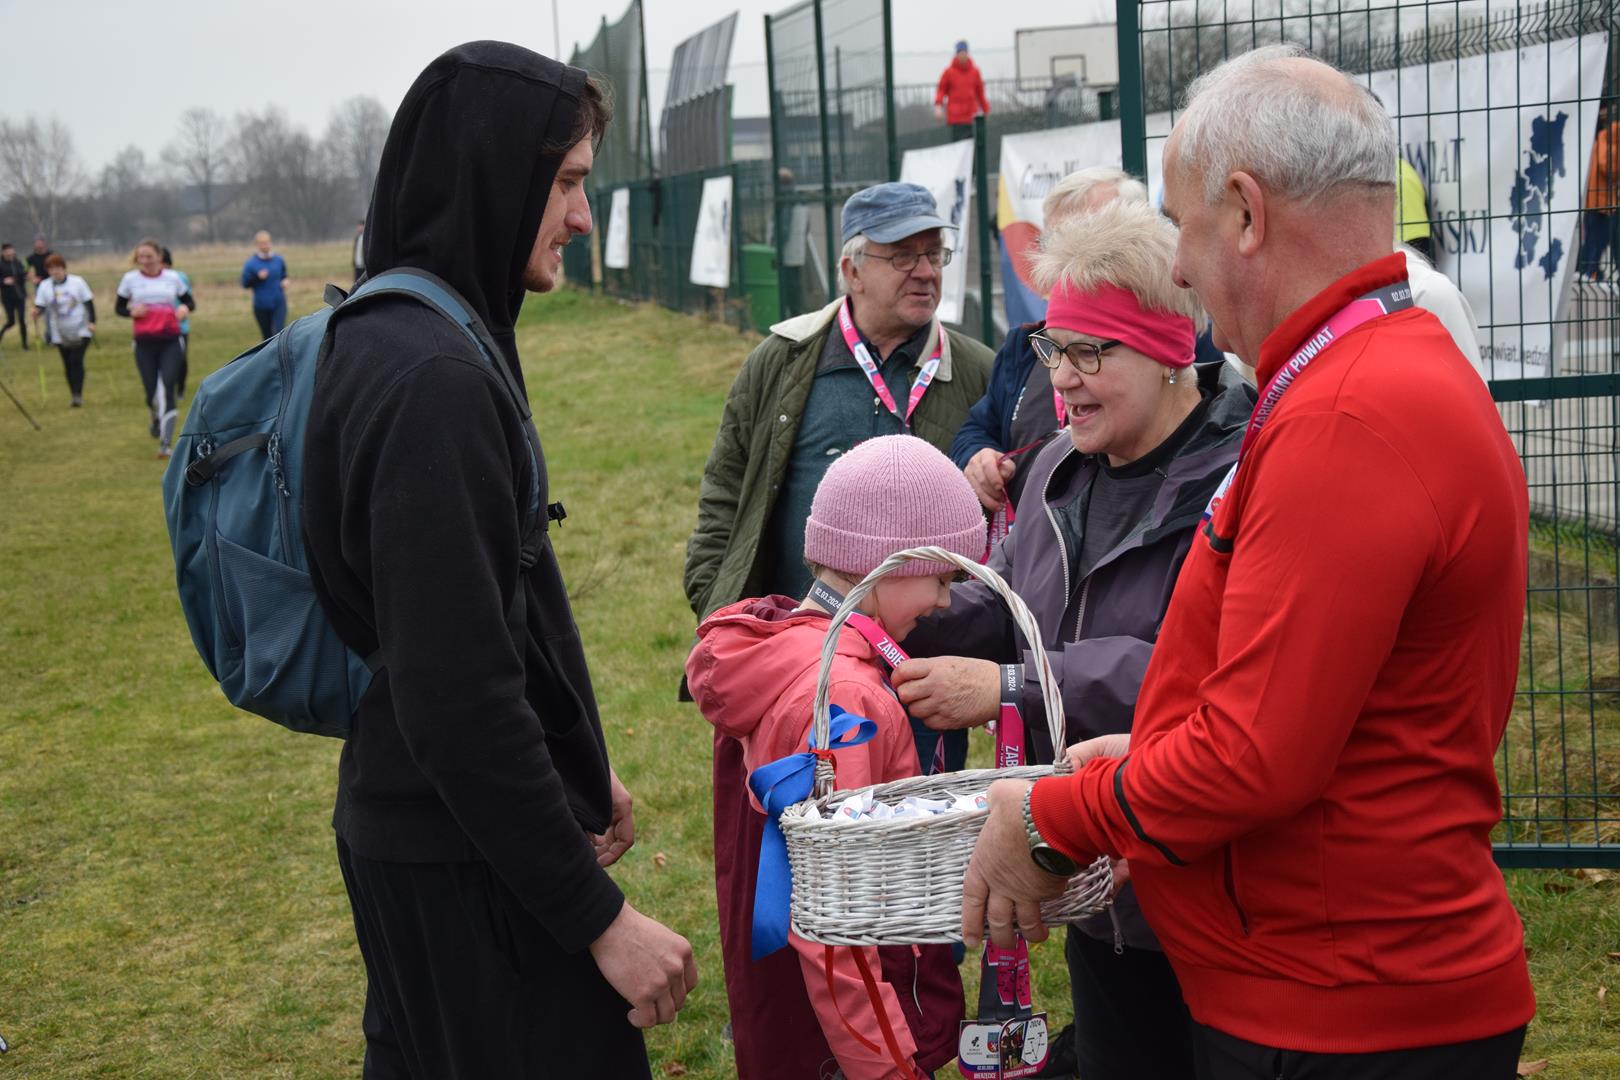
[778, 786]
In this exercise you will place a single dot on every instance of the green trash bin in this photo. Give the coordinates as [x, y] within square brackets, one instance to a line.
[760, 284]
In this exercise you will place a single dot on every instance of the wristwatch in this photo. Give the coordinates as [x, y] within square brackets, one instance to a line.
[1046, 856]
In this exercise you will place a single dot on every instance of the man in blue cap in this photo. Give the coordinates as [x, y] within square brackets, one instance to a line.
[876, 361]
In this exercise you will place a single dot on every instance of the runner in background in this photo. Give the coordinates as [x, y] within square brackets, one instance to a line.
[69, 310]
[13, 292]
[265, 272]
[157, 301]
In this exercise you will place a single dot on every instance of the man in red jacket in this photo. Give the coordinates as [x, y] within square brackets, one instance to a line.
[1307, 799]
[960, 96]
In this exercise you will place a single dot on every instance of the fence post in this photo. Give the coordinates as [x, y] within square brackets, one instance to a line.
[645, 105]
[737, 294]
[778, 218]
[1132, 122]
[838, 84]
[826, 154]
[891, 129]
[981, 192]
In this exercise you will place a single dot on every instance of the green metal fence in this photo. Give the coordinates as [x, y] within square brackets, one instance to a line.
[617, 56]
[838, 125]
[1518, 87]
[663, 213]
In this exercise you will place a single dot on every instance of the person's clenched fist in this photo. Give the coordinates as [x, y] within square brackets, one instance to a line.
[650, 965]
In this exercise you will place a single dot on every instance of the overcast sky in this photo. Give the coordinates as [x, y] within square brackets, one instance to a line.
[120, 74]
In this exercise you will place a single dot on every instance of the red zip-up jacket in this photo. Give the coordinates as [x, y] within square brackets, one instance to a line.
[961, 91]
[1309, 795]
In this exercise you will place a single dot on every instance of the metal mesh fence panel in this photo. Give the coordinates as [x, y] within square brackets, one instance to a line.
[695, 131]
[615, 57]
[663, 217]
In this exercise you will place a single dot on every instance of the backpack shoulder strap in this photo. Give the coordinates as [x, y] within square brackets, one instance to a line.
[438, 294]
[429, 289]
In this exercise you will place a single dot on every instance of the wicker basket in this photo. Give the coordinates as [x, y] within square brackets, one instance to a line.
[900, 882]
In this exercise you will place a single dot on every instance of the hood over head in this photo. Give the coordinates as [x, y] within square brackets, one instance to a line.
[466, 172]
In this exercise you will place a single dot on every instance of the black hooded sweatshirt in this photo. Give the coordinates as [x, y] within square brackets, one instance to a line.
[479, 738]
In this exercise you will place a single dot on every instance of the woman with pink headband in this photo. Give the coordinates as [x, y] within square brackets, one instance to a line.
[1102, 527]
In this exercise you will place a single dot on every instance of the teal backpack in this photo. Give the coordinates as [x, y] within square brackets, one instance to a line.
[232, 497]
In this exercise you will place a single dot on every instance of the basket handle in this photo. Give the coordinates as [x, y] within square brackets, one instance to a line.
[1022, 618]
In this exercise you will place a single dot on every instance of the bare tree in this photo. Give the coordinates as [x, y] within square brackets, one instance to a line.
[354, 139]
[38, 166]
[287, 178]
[201, 155]
[132, 199]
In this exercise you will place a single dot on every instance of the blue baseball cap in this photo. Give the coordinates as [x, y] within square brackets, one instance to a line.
[889, 212]
[961, 46]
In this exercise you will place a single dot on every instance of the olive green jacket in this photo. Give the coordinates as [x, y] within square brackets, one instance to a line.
[757, 429]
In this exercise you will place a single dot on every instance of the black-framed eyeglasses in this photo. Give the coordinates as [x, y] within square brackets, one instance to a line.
[1086, 357]
[907, 261]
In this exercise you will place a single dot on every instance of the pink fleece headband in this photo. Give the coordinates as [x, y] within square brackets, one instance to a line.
[1112, 312]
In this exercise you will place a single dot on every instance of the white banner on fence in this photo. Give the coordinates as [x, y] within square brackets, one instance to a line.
[1505, 172]
[1033, 162]
[947, 172]
[1506, 178]
[711, 240]
[616, 251]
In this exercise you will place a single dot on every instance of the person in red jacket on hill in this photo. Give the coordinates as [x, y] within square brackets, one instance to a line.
[960, 96]
[1307, 796]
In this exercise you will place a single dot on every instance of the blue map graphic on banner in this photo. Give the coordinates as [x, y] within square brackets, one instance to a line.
[1531, 198]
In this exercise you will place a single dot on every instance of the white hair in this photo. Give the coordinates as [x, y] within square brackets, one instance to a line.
[854, 251]
[1127, 245]
[1299, 137]
[1073, 193]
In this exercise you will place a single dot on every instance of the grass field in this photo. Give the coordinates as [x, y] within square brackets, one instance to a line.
[170, 905]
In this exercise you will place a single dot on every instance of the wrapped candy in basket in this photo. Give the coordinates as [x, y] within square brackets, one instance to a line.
[889, 871]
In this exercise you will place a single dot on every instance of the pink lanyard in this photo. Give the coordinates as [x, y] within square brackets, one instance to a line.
[1363, 309]
[1001, 522]
[863, 357]
[882, 644]
[868, 627]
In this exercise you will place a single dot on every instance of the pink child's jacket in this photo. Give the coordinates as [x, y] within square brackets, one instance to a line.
[753, 675]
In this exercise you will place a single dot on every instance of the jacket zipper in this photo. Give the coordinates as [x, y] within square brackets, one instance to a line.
[1231, 893]
[1080, 616]
[1051, 517]
[289, 544]
[1119, 931]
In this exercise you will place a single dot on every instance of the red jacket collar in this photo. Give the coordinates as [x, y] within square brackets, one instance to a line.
[1309, 316]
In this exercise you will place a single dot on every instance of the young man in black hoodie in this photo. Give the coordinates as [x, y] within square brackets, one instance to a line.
[476, 810]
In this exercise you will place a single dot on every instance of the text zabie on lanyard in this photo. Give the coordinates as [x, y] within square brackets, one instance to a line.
[1363, 309]
[863, 357]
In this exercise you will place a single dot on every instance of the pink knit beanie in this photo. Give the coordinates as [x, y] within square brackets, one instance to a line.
[888, 494]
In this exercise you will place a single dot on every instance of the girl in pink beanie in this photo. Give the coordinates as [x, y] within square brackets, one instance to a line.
[753, 675]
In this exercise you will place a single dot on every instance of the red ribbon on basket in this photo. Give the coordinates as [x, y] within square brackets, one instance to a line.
[900, 1060]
